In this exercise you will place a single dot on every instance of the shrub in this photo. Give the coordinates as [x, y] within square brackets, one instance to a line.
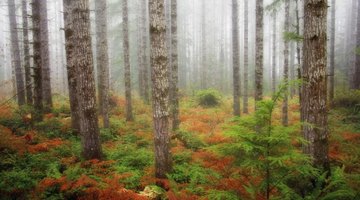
[222, 195]
[128, 155]
[190, 140]
[347, 99]
[208, 98]
[107, 135]
[51, 128]
[63, 109]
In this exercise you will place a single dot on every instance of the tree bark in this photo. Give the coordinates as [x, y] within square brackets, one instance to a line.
[44, 32]
[37, 67]
[332, 52]
[314, 90]
[160, 86]
[236, 58]
[102, 58]
[28, 82]
[285, 117]
[71, 68]
[145, 61]
[129, 114]
[352, 34]
[82, 60]
[246, 57]
[15, 54]
[259, 50]
[174, 82]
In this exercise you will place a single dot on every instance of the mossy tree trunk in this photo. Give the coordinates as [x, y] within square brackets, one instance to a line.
[160, 87]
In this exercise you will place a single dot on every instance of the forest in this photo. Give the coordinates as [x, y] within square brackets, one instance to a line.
[180, 99]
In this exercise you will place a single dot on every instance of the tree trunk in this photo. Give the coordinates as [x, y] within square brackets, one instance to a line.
[160, 87]
[82, 60]
[314, 89]
[236, 58]
[15, 53]
[174, 82]
[274, 53]
[145, 61]
[204, 67]
[28, 84]
[246, 57]
[259, 50]
[129, 114]
[71, 68]
[44, 32]
[102, 58]
[332, 52]
[37, 67]
[357, 59]
[352, 46]
[285, 117]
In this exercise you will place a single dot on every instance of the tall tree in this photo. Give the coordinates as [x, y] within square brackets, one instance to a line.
[204, 67]
[160, 87]
[236, 58]
[45, 57]
[332, 51]
[174, 82]
[15, 53]
[274, 52]
[37, 67]
[357, 59]
[102, 58]
[351, 46]
[71, 68]
[82, 60]
[129, 114]
[285, 117]
[144, 42]
[259, 50]
[246, 57]
[314, 90]
[29, 93]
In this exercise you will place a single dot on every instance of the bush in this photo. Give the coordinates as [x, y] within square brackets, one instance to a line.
[208, 98]
[222, 195]
[107, 135]
[190, 140]
[347, 99]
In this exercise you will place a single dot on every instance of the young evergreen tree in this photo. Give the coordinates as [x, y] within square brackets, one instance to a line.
[314, 89]
[160, 87]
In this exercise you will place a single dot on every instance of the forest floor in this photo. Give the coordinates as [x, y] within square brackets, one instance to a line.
[43, 161]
